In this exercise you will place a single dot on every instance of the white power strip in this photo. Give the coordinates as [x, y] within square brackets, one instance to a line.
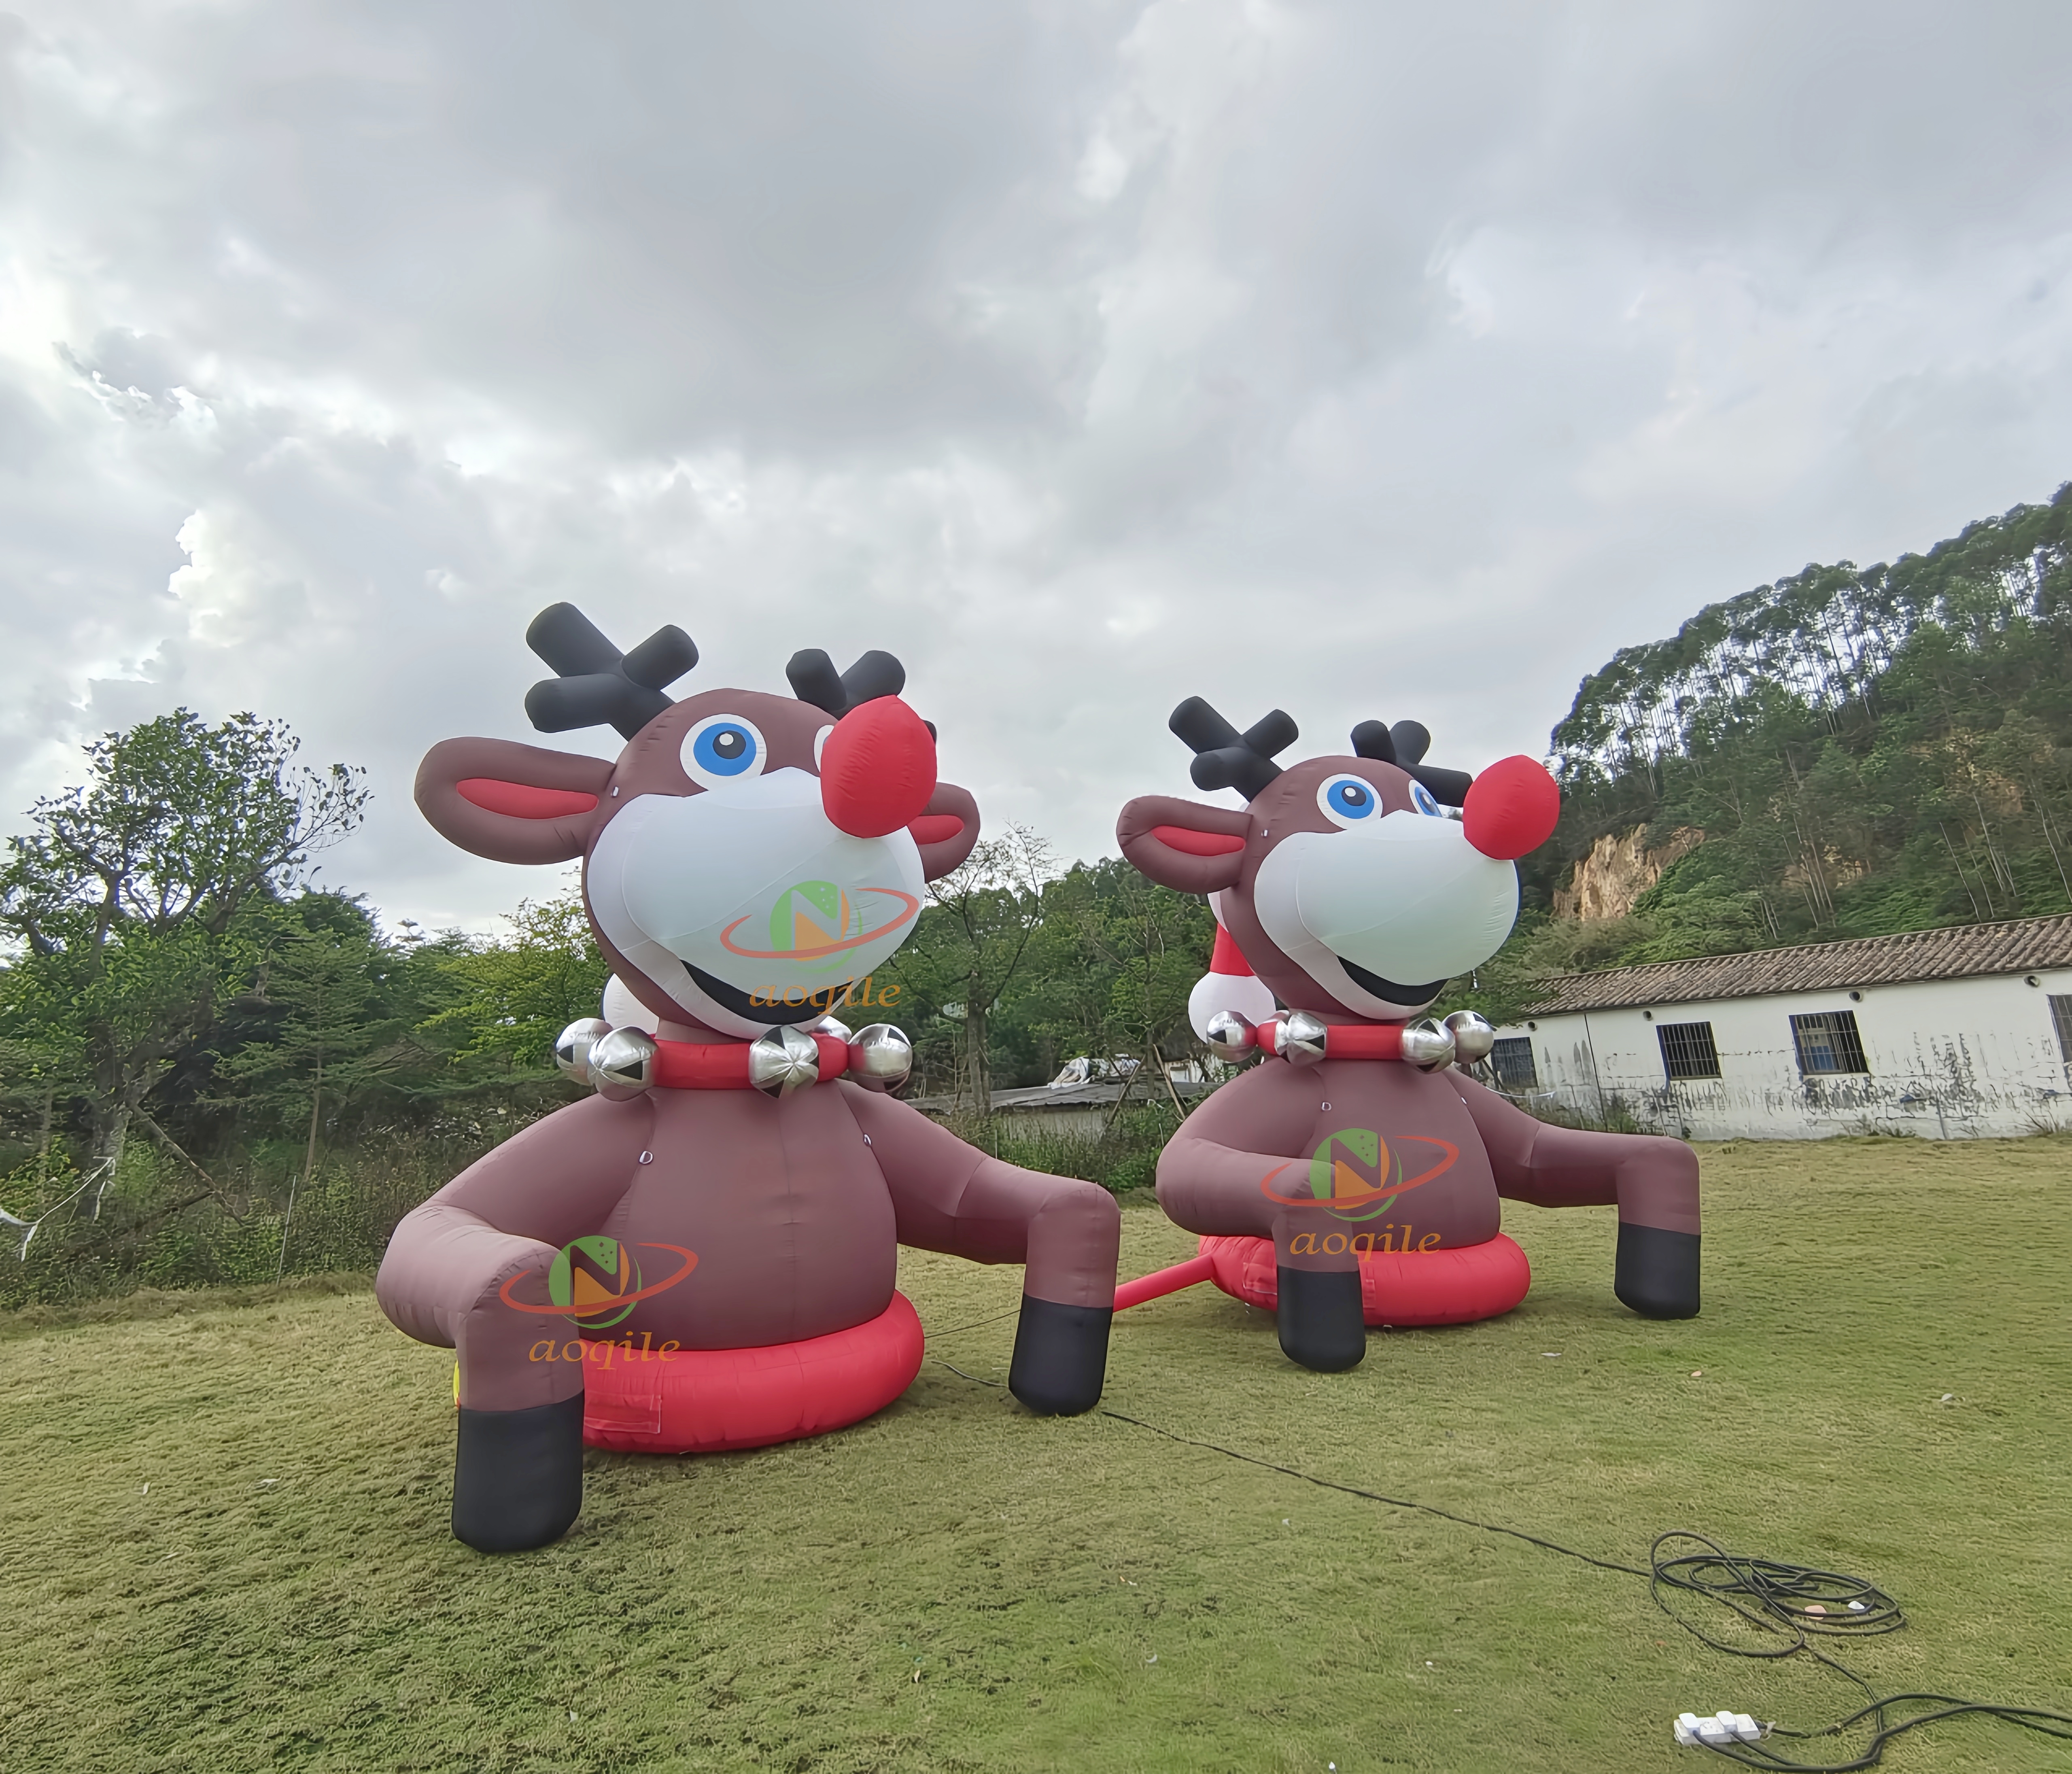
[1722, 1727]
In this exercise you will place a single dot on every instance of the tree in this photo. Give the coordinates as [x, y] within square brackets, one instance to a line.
[971, 941]
[1111, 969]
[514, 997]
[128, 897]
[1864, 751]
[316, 1029]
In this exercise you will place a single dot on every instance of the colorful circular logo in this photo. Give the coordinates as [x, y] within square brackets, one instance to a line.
[1335, 1179]
[596, 1282]
[819, 924]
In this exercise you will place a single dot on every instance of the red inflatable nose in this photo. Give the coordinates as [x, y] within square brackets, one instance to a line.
[878, 768]
[1511, 808]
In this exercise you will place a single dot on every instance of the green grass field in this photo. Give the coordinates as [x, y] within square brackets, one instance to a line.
[954, 1585]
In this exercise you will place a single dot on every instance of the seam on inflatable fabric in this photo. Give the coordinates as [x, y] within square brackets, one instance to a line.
[963, 1190]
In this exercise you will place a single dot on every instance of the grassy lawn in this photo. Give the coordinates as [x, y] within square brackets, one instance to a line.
[954, 1585]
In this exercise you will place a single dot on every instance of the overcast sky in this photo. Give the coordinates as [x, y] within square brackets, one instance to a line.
[1368, 360]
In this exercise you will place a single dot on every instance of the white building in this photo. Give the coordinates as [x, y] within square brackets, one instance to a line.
[1952, 1033]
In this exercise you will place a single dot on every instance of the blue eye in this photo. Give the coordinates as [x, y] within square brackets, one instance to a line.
[725, 751]
[723, 748]
[1346, 799]
[1421, 798]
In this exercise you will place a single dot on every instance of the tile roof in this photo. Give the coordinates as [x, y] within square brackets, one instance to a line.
[1957, 951]
[1042, 1098]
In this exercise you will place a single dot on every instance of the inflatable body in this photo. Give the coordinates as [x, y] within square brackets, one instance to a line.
[1363, 1173]
[701, 1256]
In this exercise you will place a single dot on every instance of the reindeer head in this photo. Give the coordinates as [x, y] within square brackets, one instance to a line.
[1345, 882]
[747, 854]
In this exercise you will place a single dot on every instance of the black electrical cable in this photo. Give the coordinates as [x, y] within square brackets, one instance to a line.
[1372, 1496]
[1771, 1595]
[1797, 1603]
[1011, 1311]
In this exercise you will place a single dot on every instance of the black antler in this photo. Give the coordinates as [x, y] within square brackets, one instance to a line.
[1404, 745]
[598, 685]
[814, 679]
[1223, 756]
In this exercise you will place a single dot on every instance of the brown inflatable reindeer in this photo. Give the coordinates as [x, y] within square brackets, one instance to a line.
[1355, 1175]
[720, 1219]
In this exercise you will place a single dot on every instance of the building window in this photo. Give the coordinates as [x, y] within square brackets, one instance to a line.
[1827, 1042]
[2061, 1016]
[1510, 1062]
[1687, 1049]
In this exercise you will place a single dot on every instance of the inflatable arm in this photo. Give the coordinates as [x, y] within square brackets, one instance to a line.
[950, 1196]
[1210, 1172]
[508, 1212]
[1212, 1180]
[1653, 1181]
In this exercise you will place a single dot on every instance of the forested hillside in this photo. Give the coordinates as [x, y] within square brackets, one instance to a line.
[1848, 752]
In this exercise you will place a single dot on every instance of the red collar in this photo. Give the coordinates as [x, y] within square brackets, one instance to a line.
[1303, 1039]
[777, 1063]
[733, 1064]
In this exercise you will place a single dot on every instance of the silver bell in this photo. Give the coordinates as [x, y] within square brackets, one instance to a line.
[1230, 1037]
[831, 1025]
[880, 1057]
[1426, 1045]
[1302, 1037]
[1473, 1036]
[572, 1045]
[783, 1061]
[626, 1057]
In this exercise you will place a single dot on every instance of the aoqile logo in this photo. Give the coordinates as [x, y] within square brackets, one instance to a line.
[596, 1281]
[1357, 1176]
[818, 925]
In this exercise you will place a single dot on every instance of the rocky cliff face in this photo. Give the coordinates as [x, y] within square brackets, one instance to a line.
[1618, 871]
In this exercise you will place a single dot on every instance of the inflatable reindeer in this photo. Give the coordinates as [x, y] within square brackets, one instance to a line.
[1354, 1176]
[701, 1255]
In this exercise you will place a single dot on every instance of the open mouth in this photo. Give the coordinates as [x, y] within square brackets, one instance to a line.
[1388, 989]
[757, 1008]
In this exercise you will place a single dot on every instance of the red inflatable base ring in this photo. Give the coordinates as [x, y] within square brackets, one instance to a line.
[1397, 1288]
[710, 1401]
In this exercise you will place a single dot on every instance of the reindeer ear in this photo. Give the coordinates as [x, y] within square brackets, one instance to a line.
[511, 802]
[945, 830]
[1182, 844]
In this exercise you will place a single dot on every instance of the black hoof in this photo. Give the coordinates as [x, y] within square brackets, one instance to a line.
[1060, 1357]
[1656, 1273]
[518, 1476]
[1318, 1317]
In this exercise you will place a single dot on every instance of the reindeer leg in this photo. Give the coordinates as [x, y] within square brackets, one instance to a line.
[1060, 1357]
[1209, 1183]
[518, 1456]
[1066, 1235]
[1655, 1271]
[1317, 1310]
[518, 1476]
[950, 1196]
[1653, 1181]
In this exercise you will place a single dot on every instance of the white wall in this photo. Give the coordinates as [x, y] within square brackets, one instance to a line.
[1949, 1059]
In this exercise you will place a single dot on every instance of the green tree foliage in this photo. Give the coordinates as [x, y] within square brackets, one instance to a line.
[131, 899]
[513, 997]
[1104, 964]
[323, 1024]
[968, 946]
[1119, 957]
[1865, 751]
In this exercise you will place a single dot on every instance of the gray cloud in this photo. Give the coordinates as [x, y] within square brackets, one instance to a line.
[1361, 359]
